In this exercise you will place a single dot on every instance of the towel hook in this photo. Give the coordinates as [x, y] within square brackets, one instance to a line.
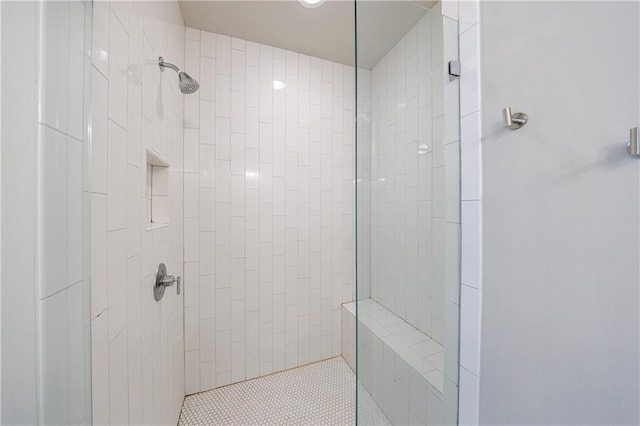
[514, 120]
[633, 146]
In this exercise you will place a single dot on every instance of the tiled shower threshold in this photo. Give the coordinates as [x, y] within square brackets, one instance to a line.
[322, 393]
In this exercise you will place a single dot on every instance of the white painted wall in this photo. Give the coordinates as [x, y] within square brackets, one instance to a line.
[268, 209]
[137, 343]
[560, 322]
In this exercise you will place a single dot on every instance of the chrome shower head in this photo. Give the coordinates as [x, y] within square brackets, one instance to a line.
[186, 83]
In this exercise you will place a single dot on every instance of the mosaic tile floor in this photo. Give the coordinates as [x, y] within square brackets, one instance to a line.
[317, 394]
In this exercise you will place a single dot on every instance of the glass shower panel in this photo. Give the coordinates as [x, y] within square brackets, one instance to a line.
[408, 214]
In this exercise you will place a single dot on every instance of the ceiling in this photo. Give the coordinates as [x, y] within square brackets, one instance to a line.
[326, 32]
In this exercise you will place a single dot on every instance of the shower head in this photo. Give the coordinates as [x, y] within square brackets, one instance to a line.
[186, 83]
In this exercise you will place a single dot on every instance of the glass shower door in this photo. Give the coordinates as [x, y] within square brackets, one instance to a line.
[405, 317]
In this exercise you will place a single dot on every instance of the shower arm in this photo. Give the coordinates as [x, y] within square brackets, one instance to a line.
[162, 64]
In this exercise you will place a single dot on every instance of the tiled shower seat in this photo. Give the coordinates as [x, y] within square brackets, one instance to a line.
[399, 365]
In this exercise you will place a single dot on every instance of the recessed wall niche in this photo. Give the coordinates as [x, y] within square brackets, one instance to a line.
[157, 191]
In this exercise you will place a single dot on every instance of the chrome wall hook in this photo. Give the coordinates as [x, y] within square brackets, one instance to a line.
[514, 120]
[633, 146]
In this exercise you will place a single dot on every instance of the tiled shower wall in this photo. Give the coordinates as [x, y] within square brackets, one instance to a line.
[415, 177]
[137, 343]
[269, 253]
[64, 336]
[45, 339]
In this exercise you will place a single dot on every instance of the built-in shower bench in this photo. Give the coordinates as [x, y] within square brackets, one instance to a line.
[397, 362]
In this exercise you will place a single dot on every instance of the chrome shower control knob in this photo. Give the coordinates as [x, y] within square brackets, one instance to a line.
[163, 281]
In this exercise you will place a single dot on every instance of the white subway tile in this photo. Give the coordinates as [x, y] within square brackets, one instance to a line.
[207, 253]
[238, 371]
[206, 164]
[469, 398]
[237, 112]
[252, 86]
[207, 375]
[192, 372]
[117, 281]
[223, 181]
[253, 53]
[223, 139]
[207, 79]
[223, 355]
[100, 369]
[62, 338]
[471, 273]
[469, 79]
[223, 222]
[55, 69]
[191, 284]
[191, 328]
[100, 37]
[470, 157]
[223, 54]
[238, 195]
[118, 64]
[192, 34]
[99, 132]
[208, 44]
[470, 317]
[207, 209]
[452, 182]
[133, 300]
[207, 339]
[223, 96]
[99, 268]
[238, 69]
[192, 59]
[468, 14]
[191, 208]
[191, 240]
[118, 382]
[266, 102]
[237, 237]
[117, 177]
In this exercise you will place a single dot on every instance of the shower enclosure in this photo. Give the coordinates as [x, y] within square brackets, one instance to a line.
[325, 200]
[270, 154]
[405, 316]
[305, 190]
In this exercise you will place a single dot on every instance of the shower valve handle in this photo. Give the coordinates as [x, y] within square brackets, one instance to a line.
[163, 281]
[170, 280]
